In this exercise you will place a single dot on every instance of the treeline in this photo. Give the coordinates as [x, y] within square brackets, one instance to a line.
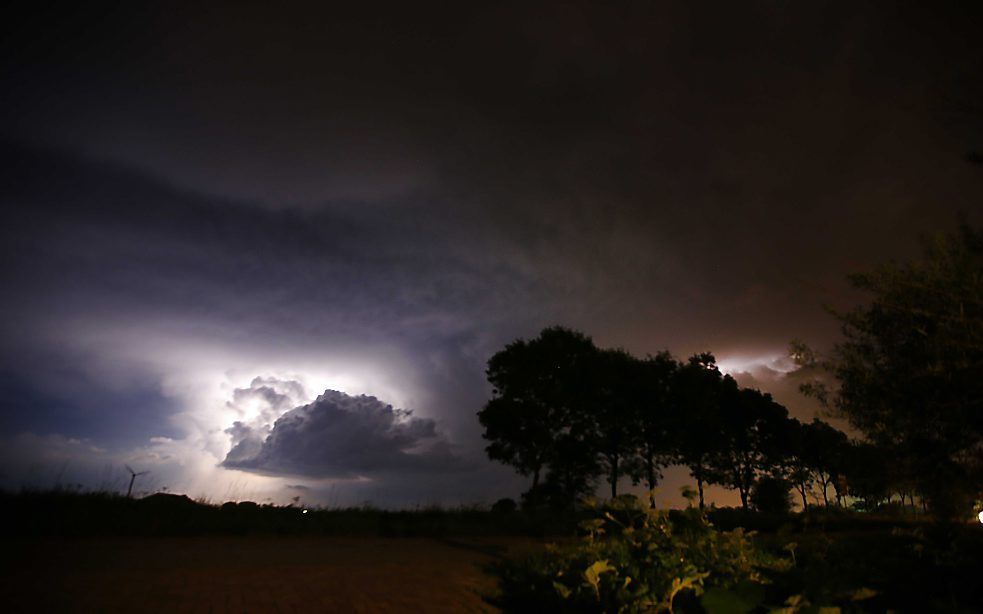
[568, 413]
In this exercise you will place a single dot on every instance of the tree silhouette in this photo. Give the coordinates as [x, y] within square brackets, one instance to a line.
[823, 448]
[697, 396]
[753, 429]
[866, 474]
[816, 453]
[770, 494]
[612, 400]
[532, 420]
[909, 367]
[656, 437]
[520, 433]
[797, 467]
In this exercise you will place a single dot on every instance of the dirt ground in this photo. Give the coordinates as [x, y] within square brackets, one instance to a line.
[251, 574]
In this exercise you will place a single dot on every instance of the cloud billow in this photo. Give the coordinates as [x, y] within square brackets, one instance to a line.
[346, 437]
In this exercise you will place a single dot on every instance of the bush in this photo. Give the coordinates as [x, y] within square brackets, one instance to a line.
[634, 559]
[772, 495]
[504, 506]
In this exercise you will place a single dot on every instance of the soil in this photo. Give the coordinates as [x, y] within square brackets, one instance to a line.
[252, 574]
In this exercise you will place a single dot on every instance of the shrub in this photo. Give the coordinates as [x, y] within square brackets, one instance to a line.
[504, 506]
[772, 495]
[634, 559]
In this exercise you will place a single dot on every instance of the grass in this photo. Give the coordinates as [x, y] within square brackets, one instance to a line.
[906, 562]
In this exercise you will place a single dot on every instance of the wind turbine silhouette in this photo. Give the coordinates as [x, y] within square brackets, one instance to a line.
[133, 477]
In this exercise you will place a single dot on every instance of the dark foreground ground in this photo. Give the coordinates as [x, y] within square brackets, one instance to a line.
[251, 574]
[99, 552]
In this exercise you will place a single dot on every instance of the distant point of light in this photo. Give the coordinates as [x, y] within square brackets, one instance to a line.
[305, 511]
[980, 516]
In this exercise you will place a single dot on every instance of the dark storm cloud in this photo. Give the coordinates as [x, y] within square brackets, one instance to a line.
[342, 436]
[411, 188]
[650, 163]
[93, 245]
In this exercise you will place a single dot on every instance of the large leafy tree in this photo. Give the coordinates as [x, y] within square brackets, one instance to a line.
[532, 421]
[655, 410]
[816, 453]
[697, 394]
[824, 448]
[612, 399]
[867, 474]
[796, 467]
[753, 429]
[910, 367]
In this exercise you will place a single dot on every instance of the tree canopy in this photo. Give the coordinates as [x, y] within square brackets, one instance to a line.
[753, 429]
[567, 412]
[909, 369]
[532, 422]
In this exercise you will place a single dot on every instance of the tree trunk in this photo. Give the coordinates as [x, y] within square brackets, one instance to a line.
[802, 491]
[535, 478]
[699, 487]
[650, 469]
[825, 497]
[743, 492]
[614, 477]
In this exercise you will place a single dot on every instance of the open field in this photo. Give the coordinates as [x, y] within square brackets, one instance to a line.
[84, 552]
[251, 574]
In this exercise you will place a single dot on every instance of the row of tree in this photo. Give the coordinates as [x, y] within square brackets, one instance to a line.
[908, 376]
[566, 413]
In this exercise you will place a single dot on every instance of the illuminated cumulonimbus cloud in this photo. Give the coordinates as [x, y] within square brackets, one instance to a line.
[259, 406]
[340, 436]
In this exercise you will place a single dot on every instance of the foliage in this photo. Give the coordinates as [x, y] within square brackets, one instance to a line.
[532, 420]
[655, 421]
[867, 474]
[612, 399]
[880, 569]
[568, 411]
[816, 455]
[634, 559]
[824, 450]
[504, 506]
[908, 369]
[772, 495]
[753, 428]
[696, 394]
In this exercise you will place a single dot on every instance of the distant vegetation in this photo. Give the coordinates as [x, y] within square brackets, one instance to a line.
[80, 514]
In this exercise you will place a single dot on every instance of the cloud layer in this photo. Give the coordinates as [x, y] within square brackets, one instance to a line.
[374, 202]
[343, 436]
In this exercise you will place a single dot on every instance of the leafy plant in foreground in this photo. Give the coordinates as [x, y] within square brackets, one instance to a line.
[634, 559]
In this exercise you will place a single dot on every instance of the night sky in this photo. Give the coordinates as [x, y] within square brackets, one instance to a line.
[212, 215]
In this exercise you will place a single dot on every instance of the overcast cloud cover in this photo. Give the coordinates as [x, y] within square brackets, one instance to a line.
[223, 225]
